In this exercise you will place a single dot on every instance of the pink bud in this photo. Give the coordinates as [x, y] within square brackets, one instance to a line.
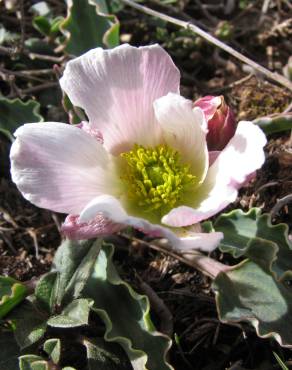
[220, 120]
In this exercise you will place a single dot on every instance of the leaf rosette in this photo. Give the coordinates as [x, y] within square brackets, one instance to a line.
[74, 306]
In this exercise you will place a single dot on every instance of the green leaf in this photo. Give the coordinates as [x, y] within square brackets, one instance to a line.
[65, 322]
[45, 291]
[14, 113]
[74, 261]
[74, 315]
[84, 19]
[44, 21]
[47, 26]
[111, 37]
[240, 228]
[12, 292]
[32, 362]
[250, 292]
[126, 315]
[53, 348]
[55, 26]
[275, 123]
[42, 24]
[105, 356]
[29, 332]
[30, 323]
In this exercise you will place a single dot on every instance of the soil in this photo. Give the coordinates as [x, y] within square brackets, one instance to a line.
[29, 236]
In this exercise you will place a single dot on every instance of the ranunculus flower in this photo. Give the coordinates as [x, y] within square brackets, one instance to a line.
[220, 120]
[142, 158]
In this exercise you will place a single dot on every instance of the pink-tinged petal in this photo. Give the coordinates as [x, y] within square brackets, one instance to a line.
[100, 226]
[209, 105]
[112, 209]
[85, 126]
[221, 121]
[203, 241]
[108, 205]
[117, 88]
[59, 166]
[241, 157]
[213, 155]
[183, 130]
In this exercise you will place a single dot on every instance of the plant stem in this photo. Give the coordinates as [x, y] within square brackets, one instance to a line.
[213, 40]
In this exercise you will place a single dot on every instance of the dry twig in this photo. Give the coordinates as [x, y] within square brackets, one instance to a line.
[159, 307]
[34, 89]
[281, 203]
[213, 40]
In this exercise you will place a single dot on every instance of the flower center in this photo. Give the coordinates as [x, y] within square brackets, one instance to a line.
[155, 178]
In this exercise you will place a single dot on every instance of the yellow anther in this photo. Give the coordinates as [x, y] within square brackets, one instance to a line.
[155, 178]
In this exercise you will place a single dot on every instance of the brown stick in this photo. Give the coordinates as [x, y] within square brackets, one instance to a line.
[159, 307]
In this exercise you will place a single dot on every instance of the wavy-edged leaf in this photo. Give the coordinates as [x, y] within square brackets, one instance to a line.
[74, 315]
[74, 261]
[126, 316]
[32, 362]
[53, 348]
[275, 123]
[239, 228]
[12, 292]
[251, 292]
[46, 290]
[30, 323]
[85, 28]
[14, 113]
[103, 355]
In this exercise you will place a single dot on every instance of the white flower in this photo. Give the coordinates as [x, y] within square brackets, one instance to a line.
[142, 158]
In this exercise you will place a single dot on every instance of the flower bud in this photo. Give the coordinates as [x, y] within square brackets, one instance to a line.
[220, 120]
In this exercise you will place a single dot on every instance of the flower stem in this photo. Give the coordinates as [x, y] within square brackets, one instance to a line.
[206, 265]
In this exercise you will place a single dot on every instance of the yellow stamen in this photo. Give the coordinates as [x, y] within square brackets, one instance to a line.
[155, 178]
